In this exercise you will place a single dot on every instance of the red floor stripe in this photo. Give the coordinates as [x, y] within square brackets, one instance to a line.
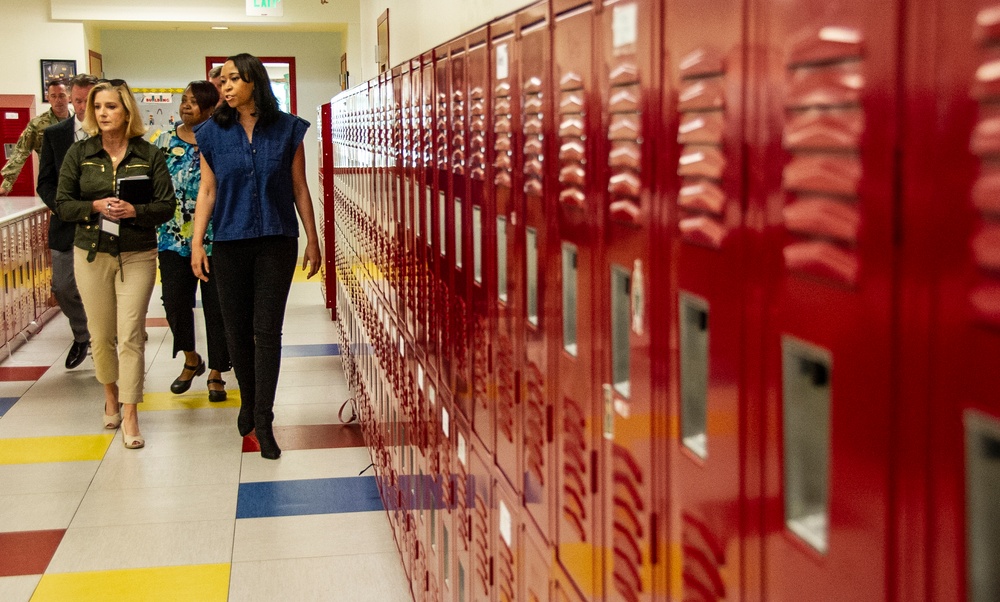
[28, 552]
[156, 322]
[311, 436]
[21, 373]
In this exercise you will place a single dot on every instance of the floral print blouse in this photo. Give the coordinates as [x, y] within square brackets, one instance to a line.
[184, 165]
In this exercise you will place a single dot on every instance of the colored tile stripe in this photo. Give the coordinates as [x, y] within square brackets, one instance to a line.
[308, 496]
[22, 372]
[310, 350]
[205, 583]
[6, 403]
[151, 322]
[192, 400]
[34, 450]
[28, 552]
[312, 436]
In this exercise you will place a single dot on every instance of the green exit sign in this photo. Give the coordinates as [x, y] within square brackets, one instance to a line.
[265, 8]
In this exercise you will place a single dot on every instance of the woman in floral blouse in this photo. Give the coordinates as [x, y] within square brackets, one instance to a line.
[179, 283]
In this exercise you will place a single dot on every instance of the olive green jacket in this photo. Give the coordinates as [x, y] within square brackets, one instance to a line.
[30, 140]
[87, 175]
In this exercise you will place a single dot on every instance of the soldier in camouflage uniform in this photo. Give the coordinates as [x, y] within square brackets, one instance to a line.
[31, 138]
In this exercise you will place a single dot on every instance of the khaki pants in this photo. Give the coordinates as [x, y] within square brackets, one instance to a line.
[116, 297]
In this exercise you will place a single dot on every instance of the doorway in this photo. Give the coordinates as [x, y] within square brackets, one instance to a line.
[281, 72]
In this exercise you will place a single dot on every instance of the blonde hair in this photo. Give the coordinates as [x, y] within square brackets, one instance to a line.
[133, 128]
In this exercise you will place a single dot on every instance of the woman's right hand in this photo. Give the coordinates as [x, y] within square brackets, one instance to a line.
[199, 262]
[103, 206]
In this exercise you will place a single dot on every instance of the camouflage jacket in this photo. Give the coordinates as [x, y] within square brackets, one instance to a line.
[30, 140]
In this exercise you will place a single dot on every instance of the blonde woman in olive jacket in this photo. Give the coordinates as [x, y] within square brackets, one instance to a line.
[115, 254]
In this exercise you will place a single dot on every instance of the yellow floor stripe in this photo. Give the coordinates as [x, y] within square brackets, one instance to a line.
[205, 583]
[192, 400]
[34, 450]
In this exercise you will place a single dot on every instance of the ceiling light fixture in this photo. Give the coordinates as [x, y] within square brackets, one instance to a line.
[220, 27]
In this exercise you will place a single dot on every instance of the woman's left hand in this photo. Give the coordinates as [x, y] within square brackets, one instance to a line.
[312, 258]
[120, 209]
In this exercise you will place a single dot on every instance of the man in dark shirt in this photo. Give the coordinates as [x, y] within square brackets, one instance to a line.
[57, 140]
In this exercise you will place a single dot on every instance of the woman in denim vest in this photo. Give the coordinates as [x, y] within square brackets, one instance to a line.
[253, 180]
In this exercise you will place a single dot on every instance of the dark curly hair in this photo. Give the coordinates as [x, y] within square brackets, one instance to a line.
[206, 95]
[265, 103]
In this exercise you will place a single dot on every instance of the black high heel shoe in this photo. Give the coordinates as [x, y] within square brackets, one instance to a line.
[217, 394]
[180, 386]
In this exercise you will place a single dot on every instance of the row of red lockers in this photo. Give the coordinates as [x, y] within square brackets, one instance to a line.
[25, 266]
[694, 299]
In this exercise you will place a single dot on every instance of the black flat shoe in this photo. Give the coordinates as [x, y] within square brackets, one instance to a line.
[180, 386]
[214, 394]
[76, 354]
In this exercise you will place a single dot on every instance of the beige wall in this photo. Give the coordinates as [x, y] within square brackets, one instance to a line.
[27, 36]
[419, 25]
[159, 59]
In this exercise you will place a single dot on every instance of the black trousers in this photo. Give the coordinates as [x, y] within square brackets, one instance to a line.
[179, 285]
[253, 277]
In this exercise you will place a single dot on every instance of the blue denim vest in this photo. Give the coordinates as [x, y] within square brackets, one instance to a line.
[254, 196]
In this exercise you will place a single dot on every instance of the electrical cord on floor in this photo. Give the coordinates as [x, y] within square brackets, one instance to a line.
[354, 415]
[366, 469]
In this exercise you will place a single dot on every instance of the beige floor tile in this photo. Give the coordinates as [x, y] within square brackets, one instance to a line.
[18, 589]
[310, 413]
[139, 469]
[305, 464]
[314, 535]
[49, 477]
[157, 505]
[143, 545]
[362, 578]
[38, 511]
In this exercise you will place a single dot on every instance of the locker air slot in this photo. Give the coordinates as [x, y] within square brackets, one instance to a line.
[477, 244]
[531, 258]
[982, 482]
[621, 323]
[502, 258]
[806, 385]
[569, 298]
[694, 340]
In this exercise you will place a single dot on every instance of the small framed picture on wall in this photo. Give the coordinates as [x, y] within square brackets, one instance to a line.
[52, 68]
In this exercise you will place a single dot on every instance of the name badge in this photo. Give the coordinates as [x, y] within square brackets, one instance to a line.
[109, 225]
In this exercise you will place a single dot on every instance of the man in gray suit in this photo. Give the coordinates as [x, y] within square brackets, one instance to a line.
[57, 140]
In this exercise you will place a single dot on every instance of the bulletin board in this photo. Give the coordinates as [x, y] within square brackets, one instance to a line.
[160, 108]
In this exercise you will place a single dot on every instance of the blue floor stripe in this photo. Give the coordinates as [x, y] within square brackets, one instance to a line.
[6, 403]
[307, 496]
[309, 350]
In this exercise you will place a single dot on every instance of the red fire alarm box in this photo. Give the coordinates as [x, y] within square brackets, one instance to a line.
[16, 110]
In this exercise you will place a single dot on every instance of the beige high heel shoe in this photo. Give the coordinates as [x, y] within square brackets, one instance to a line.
[132, 441]
[112, 422]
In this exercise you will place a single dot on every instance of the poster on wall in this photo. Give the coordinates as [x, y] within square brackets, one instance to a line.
[160, 109]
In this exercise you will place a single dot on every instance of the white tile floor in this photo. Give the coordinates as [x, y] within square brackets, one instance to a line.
[166, 514]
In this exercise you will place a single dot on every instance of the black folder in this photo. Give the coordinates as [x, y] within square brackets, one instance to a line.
[137, 190]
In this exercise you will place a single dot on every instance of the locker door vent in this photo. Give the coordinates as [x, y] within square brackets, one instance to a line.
[481, 552]
[428, 131]
[572, 141]
[441, 141]
[629, 516]
[506, 584]
[575, 468]
[477, 128]
[458, 132]
[534, 129]
[982, 483]
[462, 506]
[824, 122]
[460, 325]
[703, 558]
[503, 135]
[984, 296]
[702, 164]
[480, 365]
[535, 416]
[505, 388]
[626, 137]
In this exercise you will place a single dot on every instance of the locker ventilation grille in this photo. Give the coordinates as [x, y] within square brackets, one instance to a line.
[575, 469]
[572, 137]
[629, 516]
[702, 163]
[824, 122]
[984, 296]
[702, 559]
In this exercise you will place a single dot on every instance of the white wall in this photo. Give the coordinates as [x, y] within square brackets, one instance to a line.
[416, 26]
[27, 37]
[159, 59]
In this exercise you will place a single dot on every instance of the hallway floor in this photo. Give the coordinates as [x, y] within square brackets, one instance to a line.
[197, 514]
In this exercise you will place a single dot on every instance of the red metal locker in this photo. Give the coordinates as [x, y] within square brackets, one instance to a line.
[535, 577]
[542, 262]
[951, 273]
[480, 173]
[702, 176]
[508, 559]
[482, 531]
[459, 233]
[578, 410]
[16, 110]
[443, 225]
[824, 151]
[510, 244]
[425, 256]
[627, 75]
[463, 496]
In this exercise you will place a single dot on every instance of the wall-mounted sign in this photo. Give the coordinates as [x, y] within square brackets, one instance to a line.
[265, 8]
